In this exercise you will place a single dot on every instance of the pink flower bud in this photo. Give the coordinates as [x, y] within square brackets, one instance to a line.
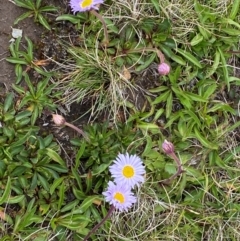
[163, 69]
[168, 147]
[58, 120]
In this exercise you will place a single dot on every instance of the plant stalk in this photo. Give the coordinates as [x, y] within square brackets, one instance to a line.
[99, 16]
[77, 129]
[110, 211]
[179, 170]
[158, 52]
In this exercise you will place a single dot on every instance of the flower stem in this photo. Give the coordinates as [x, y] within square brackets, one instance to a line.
[99, 16]
[179, 170]
[112, 208]
[77, 129]
[158, 52]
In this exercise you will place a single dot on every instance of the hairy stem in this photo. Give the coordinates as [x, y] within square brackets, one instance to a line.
[179, 170]
[99, 16]
[77, 130]
[112, 208]
[158, 52]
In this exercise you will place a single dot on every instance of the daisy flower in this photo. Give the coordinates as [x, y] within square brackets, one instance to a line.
[128, 170]
[120, 196]
[84, 5]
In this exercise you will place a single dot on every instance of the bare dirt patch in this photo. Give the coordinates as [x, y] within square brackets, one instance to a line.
[9, 12]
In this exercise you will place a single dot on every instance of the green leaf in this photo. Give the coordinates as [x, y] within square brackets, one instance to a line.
[194, 97]
[88, 182]
[18, 89]
[204, 32]
[156, 5]
[169, 105]
[8, 102]
[235, 9]
[29, 84]
[96, 215]
[221, 106]
[56, 167]
[147, 126]
[47, 140]
[23, 16]
[99, 169]
[16, 60]
[18, 171]
[48, 9]
[111, 26]
[87, 203]
[38, 4]
[170, 168]
[35, 115]
[54, 156]
[55, 184]
[18, 73]
[78, 194]
[61, 195]
[4, 198]
[79, 154]
[16, 199]
[224, 68]
[182, 128]
[196, 40]
[34, 181]
[228, 21]
[190, 57]
[231, 31]
[215, 65]
[158, 113]
[68, 17]
[209, 90]
[29, 48]
[9, 132]
[162, 97]
[41, 87]
[24, 4]
[169, 53]
[77, 177]
[13, 49]
[204, 141]
[43, 21]
[21, 141]
[23, 114]
[70, 206]
[193, 116]
[146, 63]
[43, 181]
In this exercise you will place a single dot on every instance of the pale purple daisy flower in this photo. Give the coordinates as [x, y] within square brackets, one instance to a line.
[84, 5]
[120, 196]
[128, 170]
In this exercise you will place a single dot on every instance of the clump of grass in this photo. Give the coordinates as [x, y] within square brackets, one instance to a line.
[95, 78]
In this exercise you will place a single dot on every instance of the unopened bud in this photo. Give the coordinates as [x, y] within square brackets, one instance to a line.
[58, 120]
[163, 69]
[168, 147]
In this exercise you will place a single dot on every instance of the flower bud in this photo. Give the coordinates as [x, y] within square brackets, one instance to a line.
[58, 120]
[168, 147]
[163, 69]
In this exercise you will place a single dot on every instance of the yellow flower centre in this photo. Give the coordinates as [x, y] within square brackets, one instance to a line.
[128, 171]
[119, 197]
[86, 3]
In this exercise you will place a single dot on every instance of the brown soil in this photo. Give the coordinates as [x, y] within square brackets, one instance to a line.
[9, 12]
